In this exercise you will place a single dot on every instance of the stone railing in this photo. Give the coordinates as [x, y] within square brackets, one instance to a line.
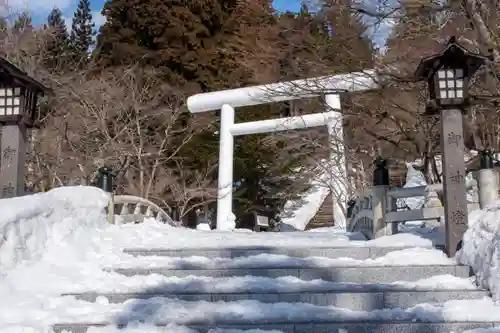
[362, 215]
[132, 209]
[376, 213]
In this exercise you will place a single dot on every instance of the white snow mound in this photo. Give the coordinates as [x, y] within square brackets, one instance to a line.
[30, 224]
[481, 247]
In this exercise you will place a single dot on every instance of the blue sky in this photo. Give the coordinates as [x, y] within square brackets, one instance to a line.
[40, 8]
[284, 5]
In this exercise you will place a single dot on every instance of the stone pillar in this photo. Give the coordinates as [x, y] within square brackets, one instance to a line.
[379, 207]
[13, 160]
[487, 180]
[455, 193]
[392, 206]
[379, 197]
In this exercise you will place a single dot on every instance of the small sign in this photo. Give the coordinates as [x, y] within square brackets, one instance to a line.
[262, 221]
[8, 190]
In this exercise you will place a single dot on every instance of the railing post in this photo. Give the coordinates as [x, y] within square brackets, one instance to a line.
[350, 208]
[174, 214]
[105, 182]
[392, 206]
[379, 197]
[487, 180]
[379, 206]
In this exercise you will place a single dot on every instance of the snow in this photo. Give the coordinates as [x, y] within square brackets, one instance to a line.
[406, 257]
[29, 224]
[297, 213]
[59, 242]
[170, 310]
[435, 234]
[163, 236]
[414, 178]
[111, 282]
[481, 247]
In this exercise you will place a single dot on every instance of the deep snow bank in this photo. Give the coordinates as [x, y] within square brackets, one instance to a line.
[30, 224]
[481, 248]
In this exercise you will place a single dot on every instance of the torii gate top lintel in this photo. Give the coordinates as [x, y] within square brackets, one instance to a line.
[283, 91]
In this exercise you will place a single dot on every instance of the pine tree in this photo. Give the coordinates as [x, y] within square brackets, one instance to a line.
[195, 42]
[3, 24]
[58, 41]
[82, 32]
[304, 39]
[23, 22]
[208, 45]
[349, 48]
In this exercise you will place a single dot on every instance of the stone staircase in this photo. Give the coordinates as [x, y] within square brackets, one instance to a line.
[359, 289]
[324, 216]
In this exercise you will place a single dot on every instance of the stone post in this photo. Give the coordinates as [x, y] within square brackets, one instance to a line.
[106, 183]
[392, 206]
[379, 207]
[455, 193]
[379, 197]
[487, 180]
[12, 161]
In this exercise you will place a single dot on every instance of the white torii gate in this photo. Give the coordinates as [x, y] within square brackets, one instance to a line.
[227, 100]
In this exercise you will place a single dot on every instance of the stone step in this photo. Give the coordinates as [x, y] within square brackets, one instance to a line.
[359, 253]
[354, 300]
[360, 274]
[340, 326]
[320, 223]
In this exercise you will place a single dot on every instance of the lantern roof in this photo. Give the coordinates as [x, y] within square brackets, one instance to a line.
[17, 76]
[453, 55]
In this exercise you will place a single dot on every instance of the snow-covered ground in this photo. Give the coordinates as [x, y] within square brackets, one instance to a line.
[59, 242]
[481, 249]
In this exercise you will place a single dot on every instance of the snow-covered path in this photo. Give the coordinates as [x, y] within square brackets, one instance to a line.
[68, 269]
[78, 255]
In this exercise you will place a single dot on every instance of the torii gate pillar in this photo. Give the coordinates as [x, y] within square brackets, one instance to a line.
[225, 220]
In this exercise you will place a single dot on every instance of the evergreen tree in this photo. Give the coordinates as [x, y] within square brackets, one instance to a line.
[3, 24]
[82, 31]
[350, 48]
[205, 44]
[208, 45]
[58, 41]
[304, 40]
[23, 22]
[196, 42]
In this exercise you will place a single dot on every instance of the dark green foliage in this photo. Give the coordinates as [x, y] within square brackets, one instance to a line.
[194, 42]
[82, 32]
[55, 21]
[209, 45]
[23, 22]
[3, 24]
[58, 41]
